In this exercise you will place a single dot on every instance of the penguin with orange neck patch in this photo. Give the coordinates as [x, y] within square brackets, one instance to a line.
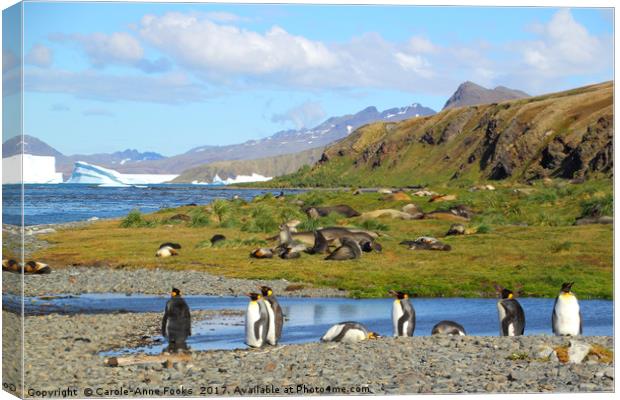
[403, 314]
[176, 325]
[566, 318]
[256, 321]
[511, 315]
[168, 250]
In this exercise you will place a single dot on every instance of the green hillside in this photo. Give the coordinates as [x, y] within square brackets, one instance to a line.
[566, 135]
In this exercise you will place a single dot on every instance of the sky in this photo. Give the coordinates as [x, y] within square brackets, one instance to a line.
[103, 77]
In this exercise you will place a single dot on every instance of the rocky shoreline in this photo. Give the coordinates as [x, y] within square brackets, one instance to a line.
[62, 351]
[79, 280]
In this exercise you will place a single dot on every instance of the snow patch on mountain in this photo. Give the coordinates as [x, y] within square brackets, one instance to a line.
[84, 172]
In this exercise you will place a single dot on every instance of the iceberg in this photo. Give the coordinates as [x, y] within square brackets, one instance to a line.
[84, 172]
[217, 181]
[30, 168]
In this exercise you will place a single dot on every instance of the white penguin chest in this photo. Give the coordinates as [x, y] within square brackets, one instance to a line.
[252, 316]
[397, 314]
[567, 315]
[353, 335]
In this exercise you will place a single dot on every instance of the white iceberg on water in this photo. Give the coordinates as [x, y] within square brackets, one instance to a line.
[84, 172]
[217, 181]
[33, 169]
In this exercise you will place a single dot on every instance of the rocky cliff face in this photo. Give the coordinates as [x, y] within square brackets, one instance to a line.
[566, 135]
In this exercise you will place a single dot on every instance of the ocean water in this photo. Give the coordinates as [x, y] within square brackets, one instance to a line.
[48, 204]
[307, 319]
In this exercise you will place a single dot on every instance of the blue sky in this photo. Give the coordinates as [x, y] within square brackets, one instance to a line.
[102, 77]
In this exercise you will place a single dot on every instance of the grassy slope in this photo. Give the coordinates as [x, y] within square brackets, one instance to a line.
[539, 256]
[566, 115]
[269, 166]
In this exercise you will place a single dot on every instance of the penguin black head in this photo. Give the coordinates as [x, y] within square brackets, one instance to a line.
[507, 294]
[266, 290]
[567, 286]
[175, 292]
[254, 296]
[399, 295]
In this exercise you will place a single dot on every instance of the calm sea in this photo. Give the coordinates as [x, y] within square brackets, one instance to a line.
[48, 204]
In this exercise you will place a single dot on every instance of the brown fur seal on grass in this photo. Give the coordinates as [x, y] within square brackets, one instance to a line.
[342, 209]
[426, 243]
[349, 250]
[168, 249]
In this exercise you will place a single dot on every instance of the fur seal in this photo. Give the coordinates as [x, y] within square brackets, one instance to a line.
[342, 209]
[168, 249]
[426, 243]
[217, 238]
[348, 250]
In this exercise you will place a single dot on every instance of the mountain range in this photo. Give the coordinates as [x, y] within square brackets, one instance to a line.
[204, 162]
[567, 134]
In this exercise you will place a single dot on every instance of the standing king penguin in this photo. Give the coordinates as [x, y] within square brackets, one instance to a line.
[403, 314]
[176, 325]
[566, 318]
[276, 318]
[256, 321]
[511, 315]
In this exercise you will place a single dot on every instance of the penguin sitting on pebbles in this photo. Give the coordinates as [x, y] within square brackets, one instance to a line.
[168, 249]
[349, 250]
[450, 328]
[403, 314]
[511, 315]
[11, 265]
[566, 318]
[348, 332]
[176, 325]
[276, 317]
[256, 321]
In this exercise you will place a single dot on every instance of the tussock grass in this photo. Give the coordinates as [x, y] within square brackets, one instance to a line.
[135, 219]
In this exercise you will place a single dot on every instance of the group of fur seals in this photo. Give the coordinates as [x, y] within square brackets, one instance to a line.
[426, 243]
[342, 209]
[349, 243]
[176, 324]
[263, 319]
[168, 249]
[30, 267]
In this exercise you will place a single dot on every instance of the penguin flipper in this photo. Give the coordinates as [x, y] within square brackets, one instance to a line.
[580, 323]
[164, 322]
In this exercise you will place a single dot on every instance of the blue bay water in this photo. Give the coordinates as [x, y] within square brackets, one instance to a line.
[49, 204]
[307, 319]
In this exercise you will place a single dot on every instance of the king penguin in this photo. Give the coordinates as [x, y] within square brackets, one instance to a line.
[176, 325]
[348, 332]
[511, 315]
[256, 321]
[403, 314]
[566, 318]
[276, 318]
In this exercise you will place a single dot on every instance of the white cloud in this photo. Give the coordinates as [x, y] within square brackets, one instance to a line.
[420, 44]
[168, 88]
[40, 56]
[563, 47]
[203, 44]
[103, 49]
[304, 115]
